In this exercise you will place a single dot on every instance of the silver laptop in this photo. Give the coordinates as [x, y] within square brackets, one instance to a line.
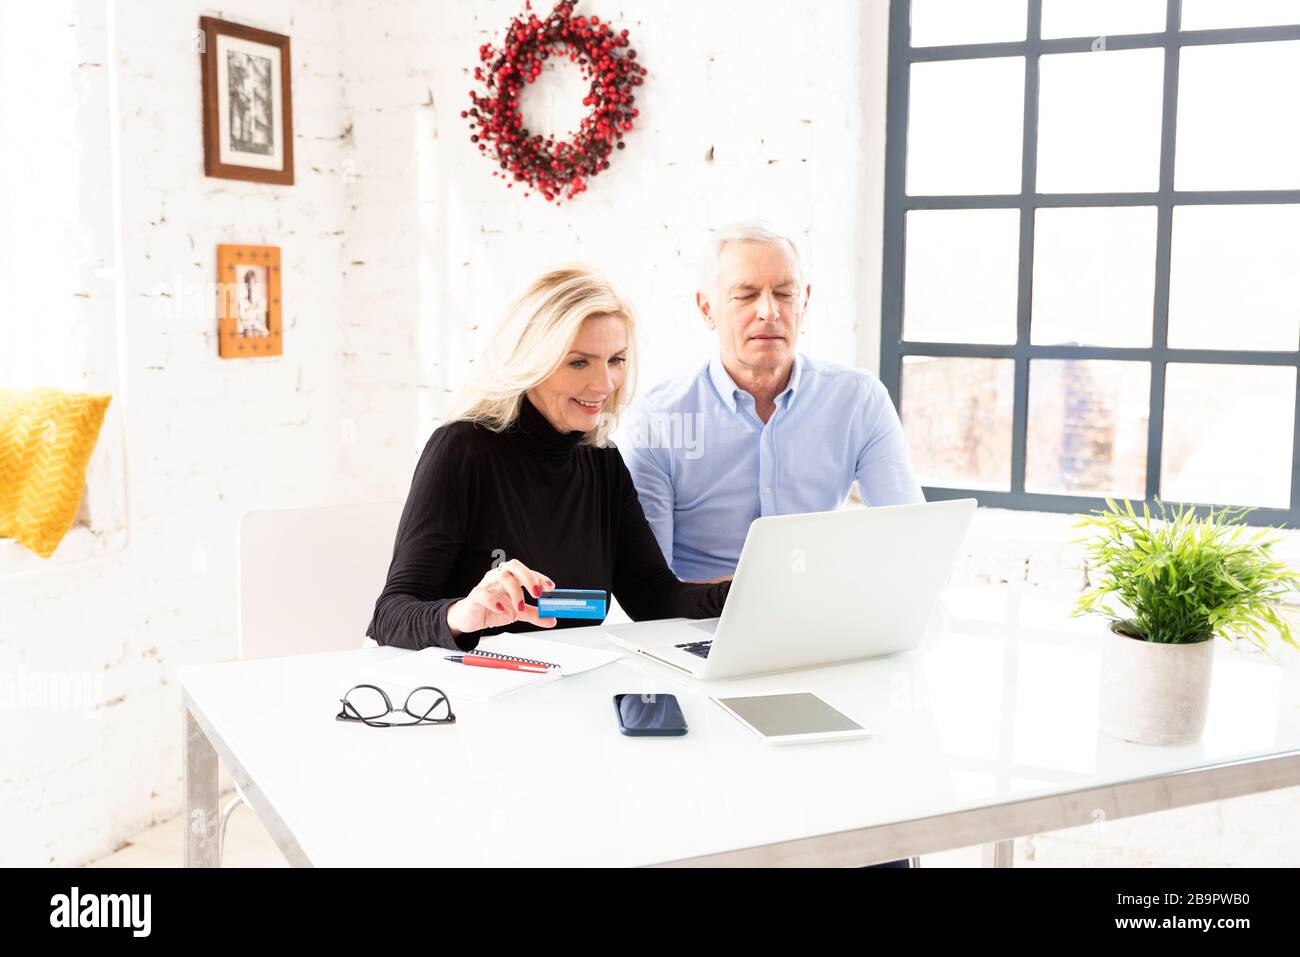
[817, 588]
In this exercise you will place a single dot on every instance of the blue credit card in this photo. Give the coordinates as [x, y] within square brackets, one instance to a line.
[572, 603]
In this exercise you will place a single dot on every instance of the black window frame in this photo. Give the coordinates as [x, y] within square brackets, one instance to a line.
[893, 348]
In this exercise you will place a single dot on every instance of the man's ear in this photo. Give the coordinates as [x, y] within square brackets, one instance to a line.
[702, 303]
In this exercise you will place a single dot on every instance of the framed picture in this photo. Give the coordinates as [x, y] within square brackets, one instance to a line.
[248, 301]
[247, 105]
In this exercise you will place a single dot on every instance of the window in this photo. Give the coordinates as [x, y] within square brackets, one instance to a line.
[1092, 250]
[59, 202]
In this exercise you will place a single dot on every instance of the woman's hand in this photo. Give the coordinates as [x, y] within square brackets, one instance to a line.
[499, 600]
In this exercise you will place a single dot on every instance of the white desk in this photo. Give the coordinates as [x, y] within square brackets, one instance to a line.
[986, 733]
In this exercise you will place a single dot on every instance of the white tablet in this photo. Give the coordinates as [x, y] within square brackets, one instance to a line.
[798, 718]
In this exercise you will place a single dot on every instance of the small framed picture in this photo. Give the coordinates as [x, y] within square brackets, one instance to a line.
[247, 104]
[248, 301]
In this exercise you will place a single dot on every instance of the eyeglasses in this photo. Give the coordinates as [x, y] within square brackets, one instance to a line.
[367, 704]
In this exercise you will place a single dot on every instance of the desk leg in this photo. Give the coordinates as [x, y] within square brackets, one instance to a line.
[202, 817]
[1000, 854]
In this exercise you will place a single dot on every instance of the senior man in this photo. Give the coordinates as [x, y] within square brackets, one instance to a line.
[760, 429]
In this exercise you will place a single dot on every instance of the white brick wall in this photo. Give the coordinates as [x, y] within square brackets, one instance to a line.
[399, 250]
[775, 94]
[206, 439]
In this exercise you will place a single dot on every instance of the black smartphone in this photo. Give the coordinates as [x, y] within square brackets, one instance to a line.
[644, 715]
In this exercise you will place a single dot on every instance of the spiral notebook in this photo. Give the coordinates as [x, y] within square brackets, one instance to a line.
[431, 667]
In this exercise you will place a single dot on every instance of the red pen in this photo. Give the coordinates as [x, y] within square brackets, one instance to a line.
[479, 661]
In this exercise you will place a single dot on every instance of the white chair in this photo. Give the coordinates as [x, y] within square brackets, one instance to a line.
[308, 580]
[309, 577]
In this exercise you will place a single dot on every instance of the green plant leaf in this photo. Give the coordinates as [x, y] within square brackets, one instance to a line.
[1183, 577]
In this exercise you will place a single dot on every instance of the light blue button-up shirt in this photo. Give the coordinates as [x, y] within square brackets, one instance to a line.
[705, 465]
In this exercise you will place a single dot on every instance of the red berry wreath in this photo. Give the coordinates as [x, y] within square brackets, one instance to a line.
[556, 169]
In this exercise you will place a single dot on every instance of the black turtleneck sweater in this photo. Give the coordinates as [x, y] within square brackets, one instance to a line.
[566, 510]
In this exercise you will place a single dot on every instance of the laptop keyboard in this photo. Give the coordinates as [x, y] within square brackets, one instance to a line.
[700, 648]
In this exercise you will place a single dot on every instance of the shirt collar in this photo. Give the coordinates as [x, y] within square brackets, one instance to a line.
[728, 390]
[792, 387]
[723, 382]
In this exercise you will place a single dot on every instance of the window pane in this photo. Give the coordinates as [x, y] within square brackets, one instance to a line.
[1099, 121]
[1227, 434]
[960, 276]
[1237, 117]
[965, 124]
[943, 22]
[1214, 14]
[1234, 278]
[1088, 427]
[1098, 18]
[1094, 276]
[957, 419]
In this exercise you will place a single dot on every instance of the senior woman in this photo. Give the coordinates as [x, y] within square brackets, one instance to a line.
[520, 491]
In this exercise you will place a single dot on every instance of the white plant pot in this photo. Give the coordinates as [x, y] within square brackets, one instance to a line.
[1155, 693]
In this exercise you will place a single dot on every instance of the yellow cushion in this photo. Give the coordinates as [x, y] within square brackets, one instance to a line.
[46, 437]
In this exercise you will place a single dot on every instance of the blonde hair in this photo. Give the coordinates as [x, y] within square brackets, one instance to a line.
[532, 341]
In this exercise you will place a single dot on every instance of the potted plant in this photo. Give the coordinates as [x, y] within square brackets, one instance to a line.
[1180, 581]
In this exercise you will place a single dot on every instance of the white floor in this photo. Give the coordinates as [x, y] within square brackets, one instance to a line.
[247, 845]
[1259, 831]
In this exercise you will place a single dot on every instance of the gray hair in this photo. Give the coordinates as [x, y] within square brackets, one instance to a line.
[747, 232]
